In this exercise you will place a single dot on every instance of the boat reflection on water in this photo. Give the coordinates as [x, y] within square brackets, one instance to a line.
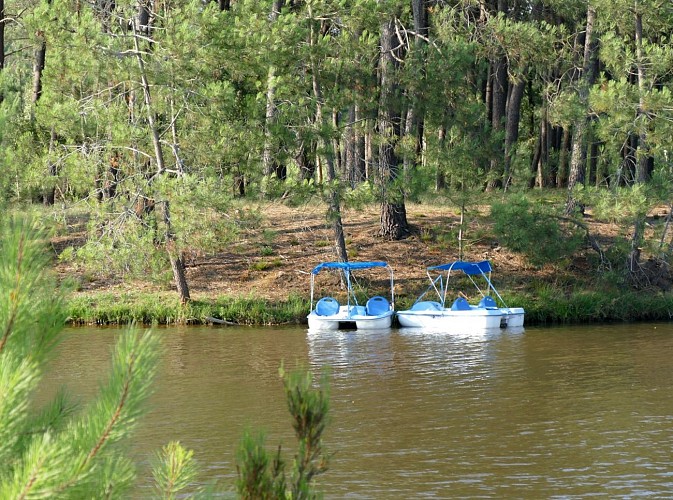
[347, 351]
[475, 334]
[389, 352]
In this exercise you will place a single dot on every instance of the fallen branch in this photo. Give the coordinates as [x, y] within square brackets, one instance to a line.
[218, 321]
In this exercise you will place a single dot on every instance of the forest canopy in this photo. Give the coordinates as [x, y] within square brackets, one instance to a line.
[156, 114]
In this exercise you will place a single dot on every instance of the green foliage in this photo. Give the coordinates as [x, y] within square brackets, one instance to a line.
[309, 408]
[260, 476]
[549, 304]
[57, 452]
[174, 471]
[533, 230]
[126, 247]
[266, 265]
[620, 205]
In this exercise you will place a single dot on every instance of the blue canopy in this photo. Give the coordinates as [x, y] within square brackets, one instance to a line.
[471, 268]
[348, 266]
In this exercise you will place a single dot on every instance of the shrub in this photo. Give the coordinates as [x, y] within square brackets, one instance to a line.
[534, 231]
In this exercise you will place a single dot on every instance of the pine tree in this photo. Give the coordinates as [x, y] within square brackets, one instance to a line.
[59, 452]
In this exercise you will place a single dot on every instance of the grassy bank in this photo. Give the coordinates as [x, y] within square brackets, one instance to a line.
[110, 309]
[547, 307]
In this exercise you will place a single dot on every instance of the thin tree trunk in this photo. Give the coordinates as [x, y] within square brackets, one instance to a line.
[38, 68]
[334, 210]
[354, 145]
[544, 150]
[269, 161]
[49, 195]
[2, 43]
[643, 150]
[578, 155]
[440, 177]
[174, 255]
[643, 153]
[415, 121]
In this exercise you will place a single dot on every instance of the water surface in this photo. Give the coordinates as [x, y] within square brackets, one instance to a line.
[540, 412]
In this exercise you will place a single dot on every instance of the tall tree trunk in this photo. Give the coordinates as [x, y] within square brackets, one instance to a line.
[499, 110]
[394, 223]
[38, 68]
[39, 62]
[562, 172]
[578, 155]
[334, 209]
[49, 193]
[440, 177]
[642, 153]
[543, 150]
[174, 254]
[2, 43]
[269, 162]
[415, 121]
[512, 127]
[642, 170]
[354, 145]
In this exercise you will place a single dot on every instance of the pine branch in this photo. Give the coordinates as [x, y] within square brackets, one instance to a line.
[14, 295]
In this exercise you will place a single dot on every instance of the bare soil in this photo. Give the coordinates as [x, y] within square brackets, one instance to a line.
[274, 259]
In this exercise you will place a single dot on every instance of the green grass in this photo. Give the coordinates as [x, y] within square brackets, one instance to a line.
[105, 309]
[546, 306]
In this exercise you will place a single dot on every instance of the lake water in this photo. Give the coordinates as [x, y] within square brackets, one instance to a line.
[535, 413]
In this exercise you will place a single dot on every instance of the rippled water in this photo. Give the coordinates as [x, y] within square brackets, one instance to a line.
[540, 412]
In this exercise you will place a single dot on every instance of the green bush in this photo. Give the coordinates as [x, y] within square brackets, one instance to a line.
[534, 231]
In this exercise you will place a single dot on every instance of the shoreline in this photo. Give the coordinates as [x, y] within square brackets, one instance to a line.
[553, 307]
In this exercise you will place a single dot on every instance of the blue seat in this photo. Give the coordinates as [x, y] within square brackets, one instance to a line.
[488, 302]
[460, 304]
[427, 305]
[377, 305]
[327, 306]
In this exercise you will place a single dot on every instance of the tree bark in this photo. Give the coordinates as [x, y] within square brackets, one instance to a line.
[394, 223]
[175, 255]
[499, 113]
[38, 68]
[512, 127]
[562, 172]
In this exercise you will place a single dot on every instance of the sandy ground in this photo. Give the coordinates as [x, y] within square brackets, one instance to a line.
[275, 258]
